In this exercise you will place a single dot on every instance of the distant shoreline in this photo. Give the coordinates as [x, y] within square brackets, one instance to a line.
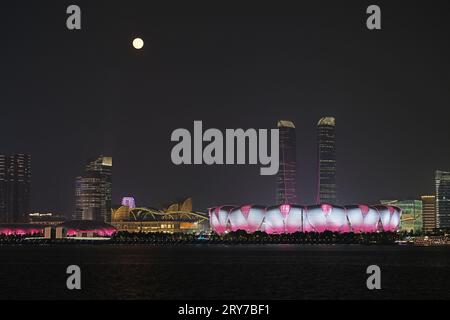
[234, 239]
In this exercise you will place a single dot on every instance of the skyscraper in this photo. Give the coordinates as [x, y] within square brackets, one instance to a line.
[442, 199]
[93, 191]
[429, 213]
[15, 188]
[287, 174]
[3, 189]
[327, 191]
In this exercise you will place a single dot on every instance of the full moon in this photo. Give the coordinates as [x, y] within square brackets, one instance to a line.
[138, 43]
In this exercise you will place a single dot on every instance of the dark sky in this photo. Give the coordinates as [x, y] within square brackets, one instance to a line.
[66, 96]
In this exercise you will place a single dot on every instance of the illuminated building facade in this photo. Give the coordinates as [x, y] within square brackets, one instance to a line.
[326, 135]
[442, 199]
[21, 229]
[129, 202]
[175, 218]
[15, 188]
[160, 225]
[429, 213]
[93, 191]
[287, 173]
[412, 214]
[47, 219]
[288, 218]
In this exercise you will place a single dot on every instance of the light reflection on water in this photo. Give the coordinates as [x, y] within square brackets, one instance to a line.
[224, 272]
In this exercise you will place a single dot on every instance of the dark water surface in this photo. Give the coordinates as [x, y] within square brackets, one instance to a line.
[224, 272]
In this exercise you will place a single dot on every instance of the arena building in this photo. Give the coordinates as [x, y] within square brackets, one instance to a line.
[288, 218]
[174, 218]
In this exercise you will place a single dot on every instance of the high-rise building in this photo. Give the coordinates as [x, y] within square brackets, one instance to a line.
[3, 188]
[287, 174]
[327, 190]
[442, 199]
[412, 214]
[15, 188]
[429, 213]
[93, 191]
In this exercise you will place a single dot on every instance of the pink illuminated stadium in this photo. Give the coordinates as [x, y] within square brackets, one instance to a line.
[317, 218]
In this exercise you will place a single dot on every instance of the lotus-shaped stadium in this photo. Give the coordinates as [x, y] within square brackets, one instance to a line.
[288, 218]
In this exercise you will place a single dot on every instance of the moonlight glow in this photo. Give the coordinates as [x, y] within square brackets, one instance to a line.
[138, 43]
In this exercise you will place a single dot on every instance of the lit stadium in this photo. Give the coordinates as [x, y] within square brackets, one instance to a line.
[316, 218]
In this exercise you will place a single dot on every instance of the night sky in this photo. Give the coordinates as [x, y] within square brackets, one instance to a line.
[69, 95]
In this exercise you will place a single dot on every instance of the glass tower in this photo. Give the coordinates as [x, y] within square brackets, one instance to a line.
[287, 174]
[429, 213]
[93, 191]
[442, 199]
[327, 192]
[15, 188]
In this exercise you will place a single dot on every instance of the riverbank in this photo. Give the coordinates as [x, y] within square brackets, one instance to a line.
[237, 238]
[233, 238]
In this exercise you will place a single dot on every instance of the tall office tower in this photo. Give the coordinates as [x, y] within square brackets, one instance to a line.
[93, 191]
[287, 174]
[442, 199]
[327, 191]
[15, 188]
[3, 189]
[429, 213]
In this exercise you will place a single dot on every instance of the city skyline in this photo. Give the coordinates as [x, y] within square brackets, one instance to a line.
[229, 71]
[94, 176]
[224, 159]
